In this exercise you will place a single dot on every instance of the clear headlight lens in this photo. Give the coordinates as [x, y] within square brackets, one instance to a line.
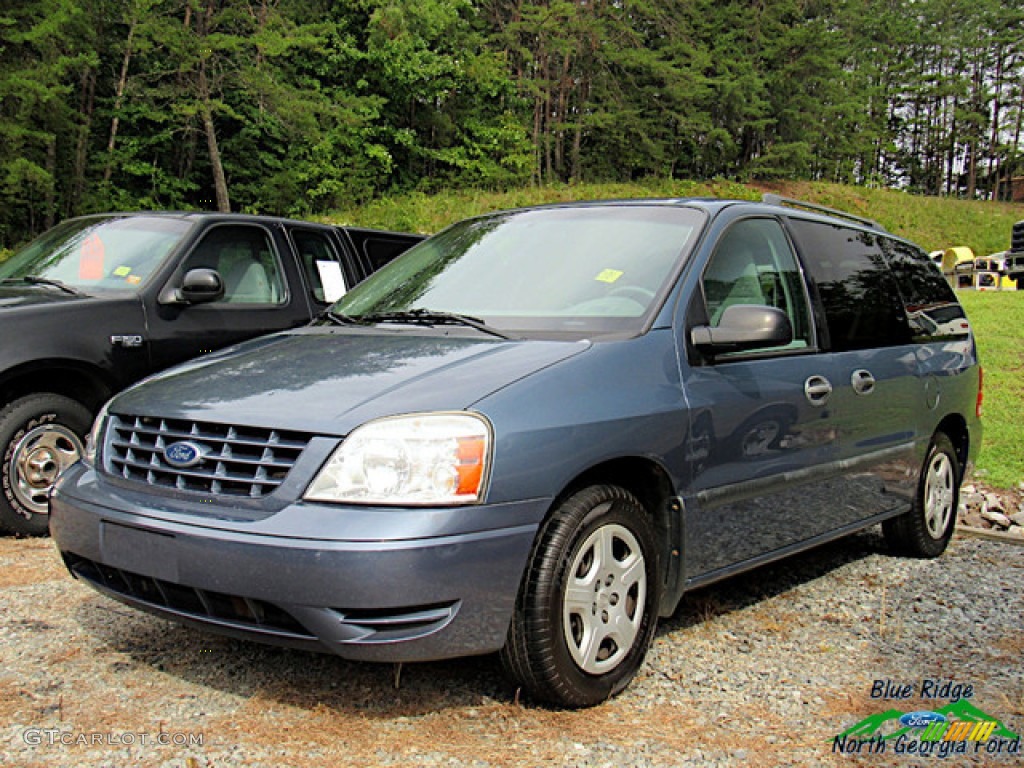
[419, 459]
[92, 440]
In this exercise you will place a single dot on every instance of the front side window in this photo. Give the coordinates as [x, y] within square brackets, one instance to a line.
[754, 264]
[571, 271]
[246, 260]
[862, 303]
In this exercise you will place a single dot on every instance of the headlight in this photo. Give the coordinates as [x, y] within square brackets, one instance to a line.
[420, 459]
[92, 440]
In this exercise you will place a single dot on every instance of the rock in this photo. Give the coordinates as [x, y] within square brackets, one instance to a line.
[973, 519]
[998, 519]
[994, 502]
[1018, 518]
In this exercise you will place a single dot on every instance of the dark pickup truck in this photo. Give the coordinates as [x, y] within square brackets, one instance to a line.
[99, 302]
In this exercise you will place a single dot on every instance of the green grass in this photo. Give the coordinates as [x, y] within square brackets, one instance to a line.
[419, 212]
[933, 222]
[998, 322]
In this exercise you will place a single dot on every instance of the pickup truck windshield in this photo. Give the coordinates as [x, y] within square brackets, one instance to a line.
[96, 254]
[591, 270]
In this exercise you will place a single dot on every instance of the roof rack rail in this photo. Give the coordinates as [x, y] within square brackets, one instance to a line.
[772, 199]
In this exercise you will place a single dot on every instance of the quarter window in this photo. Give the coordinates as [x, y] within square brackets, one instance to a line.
[932, 308]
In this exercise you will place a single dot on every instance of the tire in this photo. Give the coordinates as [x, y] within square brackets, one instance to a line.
[40, 436]
[926, 529]
[578, 653]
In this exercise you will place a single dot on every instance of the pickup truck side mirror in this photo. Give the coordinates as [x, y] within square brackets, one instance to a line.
[199, 286]
[742, 327]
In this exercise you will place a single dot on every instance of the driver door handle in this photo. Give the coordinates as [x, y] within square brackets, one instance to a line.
[817, 390]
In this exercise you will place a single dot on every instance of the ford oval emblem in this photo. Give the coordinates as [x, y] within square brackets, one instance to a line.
[922, 719]
[183, 454]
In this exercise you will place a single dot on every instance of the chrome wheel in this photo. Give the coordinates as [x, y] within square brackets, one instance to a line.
[603, 604]
[926, 528]
[38, 458]
[939, 495]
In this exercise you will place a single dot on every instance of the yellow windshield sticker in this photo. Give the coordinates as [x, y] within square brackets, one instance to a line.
[609, 275]
[122, 271]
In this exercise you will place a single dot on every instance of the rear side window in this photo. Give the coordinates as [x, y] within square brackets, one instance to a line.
[932, 308]
[753, 263]
[320, 262]
[862, 303]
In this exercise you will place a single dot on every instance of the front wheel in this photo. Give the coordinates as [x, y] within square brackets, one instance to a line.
[587, 607]
[40, 436]
[926, 529]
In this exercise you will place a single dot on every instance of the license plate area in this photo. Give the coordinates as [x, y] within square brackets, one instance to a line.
[139, 551]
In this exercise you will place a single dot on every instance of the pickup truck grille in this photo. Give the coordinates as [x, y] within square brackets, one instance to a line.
[217, 459]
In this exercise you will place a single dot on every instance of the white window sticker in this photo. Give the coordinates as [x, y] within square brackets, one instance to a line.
[331, 279]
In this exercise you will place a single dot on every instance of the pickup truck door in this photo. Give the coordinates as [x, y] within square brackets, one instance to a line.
[264, 293]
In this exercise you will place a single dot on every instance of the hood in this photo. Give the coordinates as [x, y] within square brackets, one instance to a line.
[19, 296]
[330, 380]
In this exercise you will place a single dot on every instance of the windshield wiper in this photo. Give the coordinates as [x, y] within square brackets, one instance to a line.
[36, 280]
[339, 318]
[432, 317]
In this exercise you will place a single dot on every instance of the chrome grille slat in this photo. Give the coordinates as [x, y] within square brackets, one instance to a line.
[238, 461]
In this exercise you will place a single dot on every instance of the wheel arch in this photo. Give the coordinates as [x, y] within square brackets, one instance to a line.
[77, 381]
[651, 484]
[954, 426]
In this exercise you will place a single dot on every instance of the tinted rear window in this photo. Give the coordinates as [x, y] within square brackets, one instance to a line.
[860, 297]
[932, 307]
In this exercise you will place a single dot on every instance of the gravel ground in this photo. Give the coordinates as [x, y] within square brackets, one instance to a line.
[762, 670]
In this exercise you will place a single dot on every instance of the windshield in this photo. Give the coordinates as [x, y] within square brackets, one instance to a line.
[98, 253]
[572, 270]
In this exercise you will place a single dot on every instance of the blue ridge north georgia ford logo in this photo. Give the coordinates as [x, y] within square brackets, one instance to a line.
[183, 454]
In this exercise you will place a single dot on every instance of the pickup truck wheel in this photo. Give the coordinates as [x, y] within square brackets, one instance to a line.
[587, 607]
[40, 436]
[926, 529]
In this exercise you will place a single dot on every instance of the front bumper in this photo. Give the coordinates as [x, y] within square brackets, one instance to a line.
[403, 594]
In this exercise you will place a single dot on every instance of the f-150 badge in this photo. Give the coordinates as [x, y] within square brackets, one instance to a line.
[126, 340]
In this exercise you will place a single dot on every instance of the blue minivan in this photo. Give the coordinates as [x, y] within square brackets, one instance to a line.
[533, 433]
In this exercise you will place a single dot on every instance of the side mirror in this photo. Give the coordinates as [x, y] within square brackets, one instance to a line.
[742, 327]
[199, 286]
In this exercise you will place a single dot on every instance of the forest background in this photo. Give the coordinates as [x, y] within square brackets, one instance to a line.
[303, 107]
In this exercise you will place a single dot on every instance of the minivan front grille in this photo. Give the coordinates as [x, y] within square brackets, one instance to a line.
[199, 604]
[219, 459]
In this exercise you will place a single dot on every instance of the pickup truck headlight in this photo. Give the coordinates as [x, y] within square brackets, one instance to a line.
[427, 459]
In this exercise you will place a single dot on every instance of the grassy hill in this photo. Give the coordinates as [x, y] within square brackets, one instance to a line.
[933, 222]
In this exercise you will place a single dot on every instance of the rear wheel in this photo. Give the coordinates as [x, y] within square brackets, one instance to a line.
[926, 529]
[40, 436]
[587, 607]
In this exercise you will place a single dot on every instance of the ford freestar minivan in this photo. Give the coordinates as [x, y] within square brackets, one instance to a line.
[533, 433]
